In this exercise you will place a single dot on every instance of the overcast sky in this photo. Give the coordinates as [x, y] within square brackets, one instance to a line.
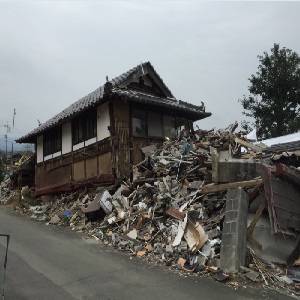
[53, 53]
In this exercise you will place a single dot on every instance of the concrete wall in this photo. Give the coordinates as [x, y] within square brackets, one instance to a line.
[233, 170]
[233, 249]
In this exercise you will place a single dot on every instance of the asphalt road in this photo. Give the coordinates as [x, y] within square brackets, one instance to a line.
[49, 262]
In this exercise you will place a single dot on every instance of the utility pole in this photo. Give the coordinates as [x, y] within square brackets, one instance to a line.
[5, 154]
[7, 131]
[5, 136]
[12, 144]
[14, 118]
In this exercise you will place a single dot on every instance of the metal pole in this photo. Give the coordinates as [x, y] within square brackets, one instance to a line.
[6, 155]
[14, 118]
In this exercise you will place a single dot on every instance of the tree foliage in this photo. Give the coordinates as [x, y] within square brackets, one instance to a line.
[274, 100]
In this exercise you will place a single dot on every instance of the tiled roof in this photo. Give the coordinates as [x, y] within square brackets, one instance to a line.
[96, 96]
[290, 146]
[139, 97]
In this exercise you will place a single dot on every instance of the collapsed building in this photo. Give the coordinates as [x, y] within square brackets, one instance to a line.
[148, 183]
[215, 203]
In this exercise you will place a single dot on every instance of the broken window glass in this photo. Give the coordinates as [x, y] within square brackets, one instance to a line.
[139, 122]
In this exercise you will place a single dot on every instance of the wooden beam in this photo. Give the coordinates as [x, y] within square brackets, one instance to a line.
[254, 193]
[207, 189]
[255, 243]
[171, 211]
[248, 145]
[256, 217]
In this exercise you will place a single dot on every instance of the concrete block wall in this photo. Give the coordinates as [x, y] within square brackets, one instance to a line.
[232, 170]
[233, 248]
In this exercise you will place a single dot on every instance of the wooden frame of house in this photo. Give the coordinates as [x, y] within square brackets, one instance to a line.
[98, 138]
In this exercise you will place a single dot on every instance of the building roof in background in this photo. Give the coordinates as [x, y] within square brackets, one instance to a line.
[290, 146]
[282, 139]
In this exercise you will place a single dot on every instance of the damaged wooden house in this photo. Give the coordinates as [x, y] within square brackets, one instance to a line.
[98, 138]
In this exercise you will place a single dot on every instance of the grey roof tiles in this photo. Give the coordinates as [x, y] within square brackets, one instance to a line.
[96, 96]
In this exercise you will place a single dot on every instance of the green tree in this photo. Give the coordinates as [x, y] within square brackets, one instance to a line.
[274, 100]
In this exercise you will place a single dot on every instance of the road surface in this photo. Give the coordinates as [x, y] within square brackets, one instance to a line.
[50, 262]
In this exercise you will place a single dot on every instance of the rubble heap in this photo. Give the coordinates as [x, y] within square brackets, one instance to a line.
[173, 209]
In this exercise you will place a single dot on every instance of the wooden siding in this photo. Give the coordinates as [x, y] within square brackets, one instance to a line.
[78, 170]
[91, 167]
[90, 162]
[49, 175]
[121, 145]
[104, 164]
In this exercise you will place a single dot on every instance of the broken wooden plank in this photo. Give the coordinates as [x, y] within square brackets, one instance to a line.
[254, 193]
[175, 213]
[255, 243]
[256, 217]
[266, 176]
[207, 189]
[248, 145]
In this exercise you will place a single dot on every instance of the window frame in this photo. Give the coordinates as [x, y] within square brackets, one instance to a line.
[84, 127]
[162, 117]
[52, 141]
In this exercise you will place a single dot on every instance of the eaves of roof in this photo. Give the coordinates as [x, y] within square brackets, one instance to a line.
[196, 112]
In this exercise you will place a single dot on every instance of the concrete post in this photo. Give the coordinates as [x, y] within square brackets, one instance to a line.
[233, 247]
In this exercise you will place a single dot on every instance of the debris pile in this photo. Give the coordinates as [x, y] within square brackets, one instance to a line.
[172, 210]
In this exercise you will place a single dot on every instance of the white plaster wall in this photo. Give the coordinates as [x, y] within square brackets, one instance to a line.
[39, 149]
[78, 146]
[90, 141]
[102, 121]
[56, 154]
[50, 156]
[66, 138]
